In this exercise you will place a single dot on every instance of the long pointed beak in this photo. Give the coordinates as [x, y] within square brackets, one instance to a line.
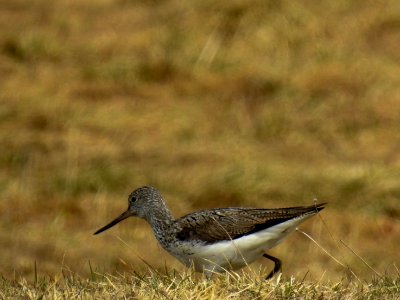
[123, 216]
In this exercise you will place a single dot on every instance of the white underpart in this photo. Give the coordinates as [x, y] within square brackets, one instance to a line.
[235, 254]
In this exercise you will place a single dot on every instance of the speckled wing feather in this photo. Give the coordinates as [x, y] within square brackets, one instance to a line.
[231, 223]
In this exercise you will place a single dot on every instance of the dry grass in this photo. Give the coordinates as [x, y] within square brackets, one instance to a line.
[186, 286]
[257, 103]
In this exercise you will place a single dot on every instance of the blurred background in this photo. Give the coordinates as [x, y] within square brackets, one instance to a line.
[241, 103]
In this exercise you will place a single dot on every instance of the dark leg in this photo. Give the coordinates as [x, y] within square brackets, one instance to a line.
[277, 267]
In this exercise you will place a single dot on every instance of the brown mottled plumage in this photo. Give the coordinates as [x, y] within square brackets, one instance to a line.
[216, 239]
[234, 222]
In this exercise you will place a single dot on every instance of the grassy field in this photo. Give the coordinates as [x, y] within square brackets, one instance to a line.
[186, 286]
[251, 103]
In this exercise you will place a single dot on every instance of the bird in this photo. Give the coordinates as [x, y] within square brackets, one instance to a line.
[219, 239]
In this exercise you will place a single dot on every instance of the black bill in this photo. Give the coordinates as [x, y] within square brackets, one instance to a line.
[124, 215]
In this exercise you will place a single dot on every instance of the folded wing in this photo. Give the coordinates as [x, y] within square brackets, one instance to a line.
[232, 223]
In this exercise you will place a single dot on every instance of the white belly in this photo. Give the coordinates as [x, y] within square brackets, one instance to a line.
[235, 254]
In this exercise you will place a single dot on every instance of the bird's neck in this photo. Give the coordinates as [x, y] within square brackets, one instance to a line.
[160, 220]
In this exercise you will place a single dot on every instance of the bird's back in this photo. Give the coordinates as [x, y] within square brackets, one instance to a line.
[235, 222]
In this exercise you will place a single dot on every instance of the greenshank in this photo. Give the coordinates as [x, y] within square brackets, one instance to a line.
[220, 239]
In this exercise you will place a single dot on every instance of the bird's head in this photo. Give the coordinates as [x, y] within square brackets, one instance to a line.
[140, 202]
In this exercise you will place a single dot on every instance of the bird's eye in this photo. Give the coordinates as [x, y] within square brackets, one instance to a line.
[133, 199]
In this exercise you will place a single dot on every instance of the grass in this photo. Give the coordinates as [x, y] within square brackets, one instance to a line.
[154, 285]
[258, 103]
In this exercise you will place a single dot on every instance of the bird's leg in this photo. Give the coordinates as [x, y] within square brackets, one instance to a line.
[277, 267]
